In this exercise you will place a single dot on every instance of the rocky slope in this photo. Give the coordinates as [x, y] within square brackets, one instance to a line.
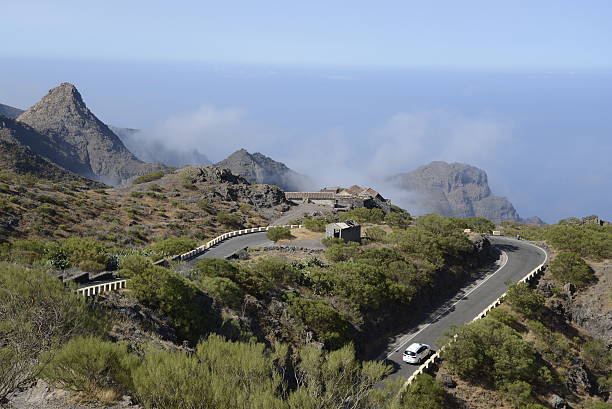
[90, 148]
[20, 152]
[259, 168]
[9, 111]
[455, 189]
[150, 149]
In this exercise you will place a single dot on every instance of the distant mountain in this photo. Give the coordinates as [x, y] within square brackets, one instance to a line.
[10, 112]
[258, 168]
[152, 150]
[456, 189]
[17, 156]
[88, 146]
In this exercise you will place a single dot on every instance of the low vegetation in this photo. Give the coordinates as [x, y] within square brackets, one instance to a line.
[278, 233]
[149, 177]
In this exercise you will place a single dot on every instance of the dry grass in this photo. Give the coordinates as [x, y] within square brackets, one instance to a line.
[302, 234]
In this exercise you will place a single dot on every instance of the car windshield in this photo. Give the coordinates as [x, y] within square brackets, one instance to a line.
[410, 353]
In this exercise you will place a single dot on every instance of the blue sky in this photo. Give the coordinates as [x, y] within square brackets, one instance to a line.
[347, 92]
[471, 34]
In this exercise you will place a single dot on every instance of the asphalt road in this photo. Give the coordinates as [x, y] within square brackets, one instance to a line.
[229, 246]
[519, 258]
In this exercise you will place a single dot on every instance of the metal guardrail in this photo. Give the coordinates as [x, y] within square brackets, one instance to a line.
[437, 355]
[95, 289]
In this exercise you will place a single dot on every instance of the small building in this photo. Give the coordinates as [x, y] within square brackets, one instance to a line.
[347, 231]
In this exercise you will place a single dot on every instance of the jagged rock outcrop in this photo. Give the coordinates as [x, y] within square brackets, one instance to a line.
[90, 148]
[20, 152]
[258, 168]
[455, 189]
[149, 149]
[9, 111]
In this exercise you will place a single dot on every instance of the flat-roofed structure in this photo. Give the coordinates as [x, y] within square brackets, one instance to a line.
[349, 198]
[347, 230]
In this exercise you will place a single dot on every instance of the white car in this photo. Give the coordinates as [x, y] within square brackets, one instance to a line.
[416, 353]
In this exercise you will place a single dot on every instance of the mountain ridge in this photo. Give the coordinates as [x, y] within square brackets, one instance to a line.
[258, 168]
[90, 146]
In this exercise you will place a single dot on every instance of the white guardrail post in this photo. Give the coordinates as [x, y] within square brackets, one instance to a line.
[436, 356]
[95, 289]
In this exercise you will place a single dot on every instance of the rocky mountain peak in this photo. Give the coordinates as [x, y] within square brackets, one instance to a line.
[455, 189]
[258, 168]
[90, 148]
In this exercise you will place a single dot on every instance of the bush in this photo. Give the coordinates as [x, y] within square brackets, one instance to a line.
[490, 352]
[524, 300]
[518, 392]
[278, 233]
[400, 220]
[275, 269]
[38, 314]
[229, 219]
[223, 290]
[424, 393]
[341, 252]
[92, 366]
[596, 354]
[168, 292]
[571, 268]
[329, 326]
[376, 233]
[173, 246]
[364, 215]
[136, 194]
[149, 177]
[91, 267]
[316, 225]
[330, 241]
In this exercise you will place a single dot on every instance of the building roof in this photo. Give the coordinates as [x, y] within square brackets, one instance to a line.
[354, 190]
[310, 195]
[346, 224]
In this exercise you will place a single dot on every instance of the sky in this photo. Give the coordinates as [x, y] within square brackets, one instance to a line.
[348, 92]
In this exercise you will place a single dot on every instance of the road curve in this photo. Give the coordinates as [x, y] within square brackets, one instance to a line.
[518, 259]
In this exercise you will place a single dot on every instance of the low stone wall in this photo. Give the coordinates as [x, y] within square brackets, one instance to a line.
[433, 359]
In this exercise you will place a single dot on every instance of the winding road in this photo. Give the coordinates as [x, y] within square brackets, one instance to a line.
[518, 259]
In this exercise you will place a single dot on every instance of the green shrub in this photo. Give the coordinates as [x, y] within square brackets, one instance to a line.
[38, 314]
[376, 233]
[596, 354]
[316, 225]
[424, 393]
[205, 205]
[275, 269]
[331, 328]
[232, 220]
[400, 220]
[149, 177]
[223, 290]
[168, 292]
[278, 233]
[92, 366]
[517, 392]
[330, 241]
[571, 268]
[524, 300]
[490, 352]
[136, 194]
[364, 215]
[341, 252]
[91, 266]
[172, 246]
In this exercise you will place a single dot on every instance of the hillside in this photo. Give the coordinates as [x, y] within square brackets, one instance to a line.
[87, 145]
[9, 111]
[457, 190]
[19, 145]
[258, 168]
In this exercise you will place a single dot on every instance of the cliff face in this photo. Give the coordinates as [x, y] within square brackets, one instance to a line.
[455, 189]
[258, 168]
[89, 147]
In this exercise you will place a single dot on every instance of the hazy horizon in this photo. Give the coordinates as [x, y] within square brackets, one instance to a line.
[345, 93]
